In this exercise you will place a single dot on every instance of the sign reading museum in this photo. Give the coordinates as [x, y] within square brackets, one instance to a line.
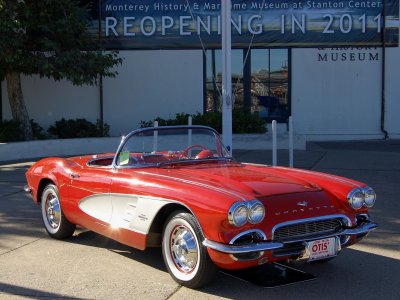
[174, 24]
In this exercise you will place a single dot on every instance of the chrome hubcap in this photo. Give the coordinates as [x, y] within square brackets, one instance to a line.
[183, 247]
[53, 210]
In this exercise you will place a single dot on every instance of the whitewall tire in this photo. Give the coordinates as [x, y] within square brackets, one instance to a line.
[186, 258]
[57, 226]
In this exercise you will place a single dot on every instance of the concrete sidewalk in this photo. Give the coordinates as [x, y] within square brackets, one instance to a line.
[88, 266]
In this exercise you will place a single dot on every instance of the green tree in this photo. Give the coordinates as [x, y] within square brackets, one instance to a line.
[48, 38]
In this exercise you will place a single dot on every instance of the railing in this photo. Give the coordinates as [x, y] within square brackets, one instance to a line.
[274, 140]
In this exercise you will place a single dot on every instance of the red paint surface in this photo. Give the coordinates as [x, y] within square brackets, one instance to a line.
[208, 190]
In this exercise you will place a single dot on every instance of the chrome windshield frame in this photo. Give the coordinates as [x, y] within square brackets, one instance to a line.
[124, 140]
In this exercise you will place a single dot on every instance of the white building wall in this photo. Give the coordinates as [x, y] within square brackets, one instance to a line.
[48, 101]
[330, 99]
[392, 118]
[153, 84]
[149, 84]
[336, 94]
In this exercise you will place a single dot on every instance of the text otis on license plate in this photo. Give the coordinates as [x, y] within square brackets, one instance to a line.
[321, 249]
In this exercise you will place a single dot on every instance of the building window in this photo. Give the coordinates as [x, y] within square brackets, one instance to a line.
[260, 82]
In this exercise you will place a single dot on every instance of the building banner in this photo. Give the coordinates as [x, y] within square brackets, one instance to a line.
[184, 24]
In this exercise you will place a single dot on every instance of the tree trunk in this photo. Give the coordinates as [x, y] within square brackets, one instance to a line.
[17, 104]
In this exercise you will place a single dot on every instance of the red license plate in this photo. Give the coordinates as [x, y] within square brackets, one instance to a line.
[324, 248]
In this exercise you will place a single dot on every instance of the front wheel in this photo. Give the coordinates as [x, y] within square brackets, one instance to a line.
[55, 222]
[186, 258]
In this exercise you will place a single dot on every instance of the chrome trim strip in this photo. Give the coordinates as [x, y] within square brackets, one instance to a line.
[256, 165]
[232, 249]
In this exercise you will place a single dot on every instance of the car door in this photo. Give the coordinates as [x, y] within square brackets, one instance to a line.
[89, 197]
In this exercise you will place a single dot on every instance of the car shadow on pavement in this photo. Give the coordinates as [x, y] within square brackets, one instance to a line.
[354, 273]
[11, 289]
[151, 256]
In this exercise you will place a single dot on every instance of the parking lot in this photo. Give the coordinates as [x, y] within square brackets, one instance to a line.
[89, 266]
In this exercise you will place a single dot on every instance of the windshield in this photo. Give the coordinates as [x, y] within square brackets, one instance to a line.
[168, 145]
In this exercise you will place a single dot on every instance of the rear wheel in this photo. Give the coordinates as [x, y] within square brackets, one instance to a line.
[186, 258]
[57, 226]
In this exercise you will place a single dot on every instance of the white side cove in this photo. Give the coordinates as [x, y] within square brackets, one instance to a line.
[131, 212]
[98, 207]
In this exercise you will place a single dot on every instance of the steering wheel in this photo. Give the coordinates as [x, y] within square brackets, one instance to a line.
[185, 153]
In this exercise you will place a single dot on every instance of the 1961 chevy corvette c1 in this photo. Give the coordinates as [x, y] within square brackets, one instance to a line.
[179, 188]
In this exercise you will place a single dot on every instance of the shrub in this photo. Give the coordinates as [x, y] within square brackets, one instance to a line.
[245, 122]
[38, 133]
[11, 131]
[242, 122]
[78, 128]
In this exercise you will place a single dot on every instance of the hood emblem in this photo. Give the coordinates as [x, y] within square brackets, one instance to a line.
[302, 203]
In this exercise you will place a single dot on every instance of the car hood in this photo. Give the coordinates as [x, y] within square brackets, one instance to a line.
[241, 179]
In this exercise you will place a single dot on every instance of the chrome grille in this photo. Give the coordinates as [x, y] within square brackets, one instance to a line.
[307, 229]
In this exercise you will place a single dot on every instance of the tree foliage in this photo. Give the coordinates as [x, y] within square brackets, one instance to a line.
[49, 38]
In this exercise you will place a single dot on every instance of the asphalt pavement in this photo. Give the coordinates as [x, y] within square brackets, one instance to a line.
[89, 266]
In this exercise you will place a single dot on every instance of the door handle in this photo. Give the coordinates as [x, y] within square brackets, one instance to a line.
[74, 175]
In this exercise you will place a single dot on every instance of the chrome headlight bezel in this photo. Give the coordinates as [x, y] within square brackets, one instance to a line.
[369, 196]
[356, 198]
[256, 212]
[236, 208]
[241, 213]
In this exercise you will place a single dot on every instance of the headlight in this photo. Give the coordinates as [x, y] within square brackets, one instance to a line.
[238, 214]
[242, 212]
[356, 198]
[256, 212]
[369, 196]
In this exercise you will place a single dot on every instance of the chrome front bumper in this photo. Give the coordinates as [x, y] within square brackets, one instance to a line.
[362, 229]
[237, 249]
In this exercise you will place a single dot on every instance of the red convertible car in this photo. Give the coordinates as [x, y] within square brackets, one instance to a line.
[178, 187]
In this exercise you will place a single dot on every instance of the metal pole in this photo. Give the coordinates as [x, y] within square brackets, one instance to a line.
[226, 75]
[291, 142]
[274, 146]
[190, 122]
[155, 137]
